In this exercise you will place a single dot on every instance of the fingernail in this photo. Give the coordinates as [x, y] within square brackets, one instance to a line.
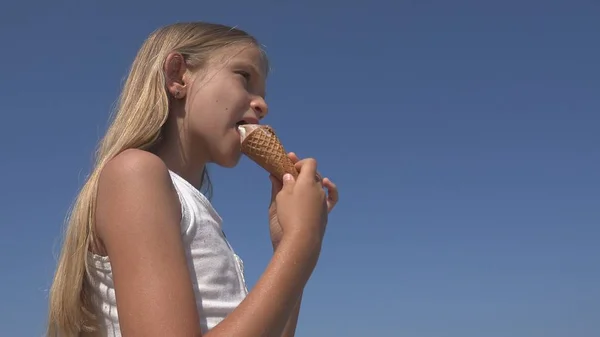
[287, 177]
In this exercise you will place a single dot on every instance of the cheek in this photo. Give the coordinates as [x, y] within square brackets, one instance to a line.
[230, 109]
[214, 119]
[218, 106]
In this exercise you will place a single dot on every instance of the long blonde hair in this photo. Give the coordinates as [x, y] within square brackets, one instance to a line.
[142, 110]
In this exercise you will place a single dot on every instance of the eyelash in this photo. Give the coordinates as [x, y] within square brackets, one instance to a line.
[245, 75]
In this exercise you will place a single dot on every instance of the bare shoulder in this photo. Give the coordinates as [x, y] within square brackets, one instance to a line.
[138, 221]
[132, 183]
[134, 166]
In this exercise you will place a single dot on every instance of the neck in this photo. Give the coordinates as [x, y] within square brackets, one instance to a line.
[180, 157]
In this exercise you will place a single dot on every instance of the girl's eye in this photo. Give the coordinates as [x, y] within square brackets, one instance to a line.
[245, 75]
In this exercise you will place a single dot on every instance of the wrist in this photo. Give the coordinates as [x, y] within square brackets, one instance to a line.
[303, 248]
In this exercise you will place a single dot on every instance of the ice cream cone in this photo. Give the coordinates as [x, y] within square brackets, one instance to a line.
[262, 146]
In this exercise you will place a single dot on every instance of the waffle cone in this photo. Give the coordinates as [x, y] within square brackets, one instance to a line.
[263, 147]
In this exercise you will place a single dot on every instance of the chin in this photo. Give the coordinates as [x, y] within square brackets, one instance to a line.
[230, 160]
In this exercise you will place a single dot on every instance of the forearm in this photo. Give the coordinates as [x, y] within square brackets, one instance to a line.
[292, 322]
[290, 327]
[266, 310]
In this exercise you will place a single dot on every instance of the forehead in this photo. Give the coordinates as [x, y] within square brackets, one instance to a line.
[242, 54]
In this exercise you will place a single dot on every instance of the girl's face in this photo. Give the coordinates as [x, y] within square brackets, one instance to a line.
[230, 90]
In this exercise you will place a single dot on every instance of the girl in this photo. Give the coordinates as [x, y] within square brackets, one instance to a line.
[144, 254]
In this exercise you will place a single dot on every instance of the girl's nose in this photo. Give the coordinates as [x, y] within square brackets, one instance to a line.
[259, 105]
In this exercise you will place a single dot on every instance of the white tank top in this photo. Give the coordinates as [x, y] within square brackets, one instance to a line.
[216, 271]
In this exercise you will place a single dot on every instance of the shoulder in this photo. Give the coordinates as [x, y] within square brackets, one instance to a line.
[134, 185]
[133, 166]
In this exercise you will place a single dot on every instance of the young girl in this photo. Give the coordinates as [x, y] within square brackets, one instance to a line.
[144, 254]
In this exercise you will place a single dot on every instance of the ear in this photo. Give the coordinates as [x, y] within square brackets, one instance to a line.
[174, 69]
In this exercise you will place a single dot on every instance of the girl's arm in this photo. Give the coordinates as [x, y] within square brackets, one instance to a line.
[290, 327]
[138, 220]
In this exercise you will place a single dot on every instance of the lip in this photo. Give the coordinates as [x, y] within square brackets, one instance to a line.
[250, 120]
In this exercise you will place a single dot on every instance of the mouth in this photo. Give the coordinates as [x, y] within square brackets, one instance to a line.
[243, 130]
[247, 120]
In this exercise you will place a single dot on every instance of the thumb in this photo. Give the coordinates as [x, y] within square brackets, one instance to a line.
[288, 182]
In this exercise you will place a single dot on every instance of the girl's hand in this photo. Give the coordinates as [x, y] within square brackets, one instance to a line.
[276, 185]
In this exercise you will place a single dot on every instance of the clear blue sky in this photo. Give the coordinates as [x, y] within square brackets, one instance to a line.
[464, 137]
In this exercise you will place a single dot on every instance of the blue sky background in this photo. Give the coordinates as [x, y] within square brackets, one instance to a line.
[464, 137]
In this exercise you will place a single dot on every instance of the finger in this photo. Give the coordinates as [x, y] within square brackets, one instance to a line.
[288, 182]
[298, 165]
[308, 169]
[276, 186]
[332, 193]
[293, 157]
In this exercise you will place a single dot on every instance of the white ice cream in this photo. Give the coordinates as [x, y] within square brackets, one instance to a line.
[242, 131]
[245, 130]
